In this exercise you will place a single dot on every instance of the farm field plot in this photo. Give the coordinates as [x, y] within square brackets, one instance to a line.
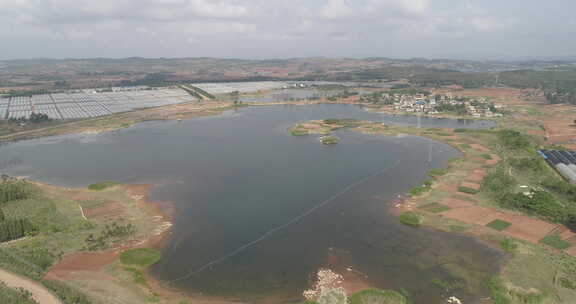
[89, 104]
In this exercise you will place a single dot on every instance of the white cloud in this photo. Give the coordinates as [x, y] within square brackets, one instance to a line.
[336, 9]
[314, 22]
[490, 24]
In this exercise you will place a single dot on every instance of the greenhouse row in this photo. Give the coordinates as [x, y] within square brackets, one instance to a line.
[86, 104]
[242, 87]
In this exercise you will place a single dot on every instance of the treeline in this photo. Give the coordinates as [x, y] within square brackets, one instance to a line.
[12, 229]
[25, 93]
[438, 78]
[152, 79]
[559, 86]
[418, 76]
[33, 118]
[13, 190]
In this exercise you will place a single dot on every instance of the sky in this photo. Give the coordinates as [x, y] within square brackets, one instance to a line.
[257, 29]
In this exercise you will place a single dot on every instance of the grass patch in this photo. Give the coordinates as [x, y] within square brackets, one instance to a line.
[377, 296]
[298, 132]
[137, 275]
[509, 245]
[142, 257]
[437, 172]
[499, 225]
[467, 190]
[457, 228]
[499, 291]
[501, 294]
[103, 185]
[93, 203]
[464, 198]
[434, 207]
[419, 190]
[486, 156]
[555, 241]
[410, 219]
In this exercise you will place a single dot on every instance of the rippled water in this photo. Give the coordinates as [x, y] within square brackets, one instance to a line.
[258, 211]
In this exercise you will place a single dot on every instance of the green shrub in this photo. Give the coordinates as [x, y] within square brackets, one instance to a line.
[375, 296]
[514, 140]
[460, 130]
[467, 190]
[410, 219]
[486, 156]
[535, 164]
[447, 286]
[10, 295]
[102, 185]
[142, 257]
[110, 233]
[499, 225]
[540, 203]
[555, 241]
[567, 283]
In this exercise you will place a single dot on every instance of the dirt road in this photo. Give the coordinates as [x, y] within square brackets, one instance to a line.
[39, 292]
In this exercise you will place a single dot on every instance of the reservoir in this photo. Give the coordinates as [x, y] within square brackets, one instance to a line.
[258, 211]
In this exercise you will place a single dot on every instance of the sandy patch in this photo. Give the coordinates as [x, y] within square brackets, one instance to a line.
[477, 175]
[479, 147]
[495, 160]
[110, 210]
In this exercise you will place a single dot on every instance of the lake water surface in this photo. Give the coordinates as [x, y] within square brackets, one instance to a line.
[258, 211]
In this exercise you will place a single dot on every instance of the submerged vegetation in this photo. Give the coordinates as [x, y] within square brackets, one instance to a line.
[329, 140]
[410, 219]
